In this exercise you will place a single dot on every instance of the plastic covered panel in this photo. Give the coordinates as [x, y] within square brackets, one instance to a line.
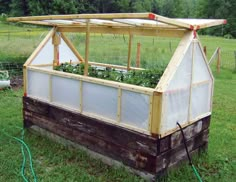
[201, 100]
[100, 100]
[176, 97]
[65, 53]
[45, 56]
[182, 76]
[135, 109]
[66, 92]
[200, 70]
[176, 109]
[38, 85]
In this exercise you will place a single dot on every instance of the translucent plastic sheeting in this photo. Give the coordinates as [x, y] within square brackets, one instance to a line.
[176, 97]
[135, 109]
[182, 76]
[66, 92]
[45, 56]
[65, 53]
[38, 85]
[176, 106]
[100, 100]
[200, 70]
[200, 100]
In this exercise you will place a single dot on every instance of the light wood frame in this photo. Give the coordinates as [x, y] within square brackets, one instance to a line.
[175, 29]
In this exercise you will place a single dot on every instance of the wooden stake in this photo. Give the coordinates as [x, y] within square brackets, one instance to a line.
[218, 60]
[129, 51]
[138, 55]
[205, 50]
[87, 48]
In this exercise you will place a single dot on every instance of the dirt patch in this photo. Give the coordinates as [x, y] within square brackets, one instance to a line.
[17, 82]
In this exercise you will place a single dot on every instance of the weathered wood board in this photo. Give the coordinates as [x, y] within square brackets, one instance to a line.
[148, 154]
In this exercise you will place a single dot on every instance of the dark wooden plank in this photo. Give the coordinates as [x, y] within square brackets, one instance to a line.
[115, 134]
[176, 139]
[173, 156]
[134, 158]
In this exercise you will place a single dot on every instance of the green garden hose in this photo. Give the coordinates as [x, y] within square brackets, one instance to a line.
[24, 147]
[189, 158]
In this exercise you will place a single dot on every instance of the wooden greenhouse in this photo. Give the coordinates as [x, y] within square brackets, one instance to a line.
[120, 122]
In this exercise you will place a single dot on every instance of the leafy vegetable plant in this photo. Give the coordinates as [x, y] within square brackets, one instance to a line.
[145, 78]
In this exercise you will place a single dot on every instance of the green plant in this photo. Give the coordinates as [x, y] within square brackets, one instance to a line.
[4, 75]
[145, 78]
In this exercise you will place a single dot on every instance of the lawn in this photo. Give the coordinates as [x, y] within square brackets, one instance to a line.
[55, 162]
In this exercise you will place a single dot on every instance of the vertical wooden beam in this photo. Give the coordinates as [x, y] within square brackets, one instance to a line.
[150, 113]
[129, 51]
[218, 60]
[156, 113]
[25, 80]
[119, 105]
[81, 96]
[87, 48]
[56, 40]
[50, 88]
[138, 56]
[191, 82]
[205, 50]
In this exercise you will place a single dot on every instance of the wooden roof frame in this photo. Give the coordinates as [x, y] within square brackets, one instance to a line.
[118, 20]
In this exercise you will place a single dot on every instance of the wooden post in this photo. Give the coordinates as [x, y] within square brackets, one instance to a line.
[218, 60]
[87, 48]
[56, 40]
[205, 50]
[138, 55]
[235, 60]
[129, 51]
[25, 78]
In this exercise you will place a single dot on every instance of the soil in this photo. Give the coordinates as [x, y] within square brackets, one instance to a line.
[17, 82]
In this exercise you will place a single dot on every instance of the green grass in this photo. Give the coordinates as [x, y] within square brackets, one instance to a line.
[18, 42]
[55, 162]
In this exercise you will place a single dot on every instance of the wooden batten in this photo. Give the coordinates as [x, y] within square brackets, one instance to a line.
[25, 75]
[156, 113]
[119, 105]
[128, 30]
[175, 62]
[170, 21]
[39, 48]
[80, 16]
[87, 48]
[191, 79]
[72, 47]
[56, 41]
[113, 66]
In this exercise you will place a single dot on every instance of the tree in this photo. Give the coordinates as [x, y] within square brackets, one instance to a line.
[19, 8]
[4, 6]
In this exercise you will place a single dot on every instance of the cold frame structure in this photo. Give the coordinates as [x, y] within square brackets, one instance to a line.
[183, 94]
